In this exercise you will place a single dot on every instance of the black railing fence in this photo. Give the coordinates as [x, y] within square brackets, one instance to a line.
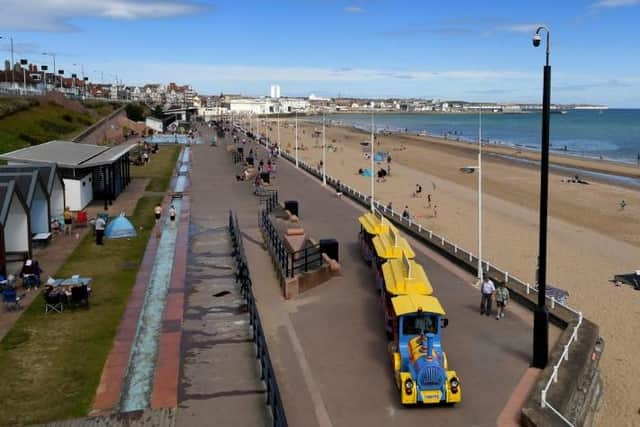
[244, 278]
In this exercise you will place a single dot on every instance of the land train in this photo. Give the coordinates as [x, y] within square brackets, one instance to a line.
[413, 316]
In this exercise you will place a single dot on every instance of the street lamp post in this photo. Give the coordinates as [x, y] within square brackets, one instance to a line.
[278, 126]
[541, 314]
[324, 153]
[372, 161]
[296, 138]
[23, 64]
[12, 64]
[480, 274]
[53, 55]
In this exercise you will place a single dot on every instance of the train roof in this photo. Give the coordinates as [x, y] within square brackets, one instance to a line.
[374, 224]
[392, 245]
[405, 276]
[412, 303]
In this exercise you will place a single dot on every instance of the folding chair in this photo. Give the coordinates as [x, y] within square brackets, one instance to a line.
[53, 302]
[11, 299]
[80, 295]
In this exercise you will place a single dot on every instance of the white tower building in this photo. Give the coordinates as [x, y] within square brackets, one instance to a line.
[275, 91]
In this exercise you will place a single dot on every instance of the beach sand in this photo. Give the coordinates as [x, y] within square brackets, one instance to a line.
[590, 238]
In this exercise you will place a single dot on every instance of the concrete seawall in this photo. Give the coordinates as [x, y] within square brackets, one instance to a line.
[95, 134]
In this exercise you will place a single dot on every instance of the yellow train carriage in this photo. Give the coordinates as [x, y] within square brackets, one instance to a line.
[388, 246]
[401, 277]
[371, 224]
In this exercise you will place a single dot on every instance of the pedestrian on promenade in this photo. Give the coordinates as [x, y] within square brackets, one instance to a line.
[390, 206]
[158, 212]
[172, 216]
[502, 298]
[405, 213]
[68, 220]
[338, 189]
[100, 226]
[487, 288]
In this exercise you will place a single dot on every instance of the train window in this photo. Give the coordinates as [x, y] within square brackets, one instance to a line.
[415, 325]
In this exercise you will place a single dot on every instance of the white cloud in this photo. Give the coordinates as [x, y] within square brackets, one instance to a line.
[519, 28]
[56, 15]
[615, 3]
[354, 9]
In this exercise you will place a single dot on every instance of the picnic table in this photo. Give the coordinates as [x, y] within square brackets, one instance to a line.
[42, 239]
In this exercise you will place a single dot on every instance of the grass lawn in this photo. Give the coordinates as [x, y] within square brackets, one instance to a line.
[156, 169]
[51, 364]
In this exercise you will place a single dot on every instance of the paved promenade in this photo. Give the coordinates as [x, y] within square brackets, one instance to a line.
[328, 345]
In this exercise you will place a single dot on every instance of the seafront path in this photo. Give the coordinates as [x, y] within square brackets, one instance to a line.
[328, 344]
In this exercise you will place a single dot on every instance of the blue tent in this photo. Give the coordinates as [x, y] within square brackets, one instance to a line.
[380, 156]
[120, 227]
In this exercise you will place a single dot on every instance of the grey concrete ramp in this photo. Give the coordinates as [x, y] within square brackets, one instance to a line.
[220, 380]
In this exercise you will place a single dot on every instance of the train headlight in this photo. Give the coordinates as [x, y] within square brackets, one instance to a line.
[408, 386]
[454, 383]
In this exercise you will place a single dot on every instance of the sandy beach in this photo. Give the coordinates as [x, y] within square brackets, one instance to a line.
[590, 237]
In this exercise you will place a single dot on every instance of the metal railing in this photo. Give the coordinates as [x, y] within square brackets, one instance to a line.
[452, 250]
[268, 374]
[288, 263]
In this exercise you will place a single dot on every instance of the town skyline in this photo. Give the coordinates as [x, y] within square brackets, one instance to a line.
[369, 50]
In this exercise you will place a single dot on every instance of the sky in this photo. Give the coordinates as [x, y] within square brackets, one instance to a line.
[456, 50]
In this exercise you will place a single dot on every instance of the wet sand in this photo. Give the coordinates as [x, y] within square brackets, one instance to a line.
[590, 237]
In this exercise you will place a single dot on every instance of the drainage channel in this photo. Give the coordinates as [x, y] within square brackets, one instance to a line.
[138, 381]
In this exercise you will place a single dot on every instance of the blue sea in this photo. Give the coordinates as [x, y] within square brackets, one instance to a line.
[612, 134]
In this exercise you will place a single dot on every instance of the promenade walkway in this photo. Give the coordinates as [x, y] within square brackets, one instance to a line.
[328, 345]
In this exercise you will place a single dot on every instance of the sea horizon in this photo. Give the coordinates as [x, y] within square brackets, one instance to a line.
[611, 134]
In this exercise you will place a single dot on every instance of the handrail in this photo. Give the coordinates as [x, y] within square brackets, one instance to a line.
[554, 376]
[466, 257]
[268, 374]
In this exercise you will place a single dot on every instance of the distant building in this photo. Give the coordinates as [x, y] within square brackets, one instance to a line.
[275, 91]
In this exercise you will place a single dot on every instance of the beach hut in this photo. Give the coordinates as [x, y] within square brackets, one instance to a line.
[15, 232]
[49, 174]
[88, 171]
[35, 197]
[120, 227]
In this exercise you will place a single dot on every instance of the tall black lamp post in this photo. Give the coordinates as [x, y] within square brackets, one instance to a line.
[541, 314]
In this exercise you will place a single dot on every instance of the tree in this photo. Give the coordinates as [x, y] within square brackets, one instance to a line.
[157, 112]
[135, 112]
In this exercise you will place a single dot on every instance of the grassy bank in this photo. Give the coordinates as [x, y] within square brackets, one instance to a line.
[51, 364]
[30, 122]
[164, 159]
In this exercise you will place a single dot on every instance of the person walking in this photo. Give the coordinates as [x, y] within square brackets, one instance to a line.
[487, 288]
[157, 212]
[429, 200]
[100, 226]
[389, 165]
[68, 220]
[172, 216]
[405, 213]
[502, 298]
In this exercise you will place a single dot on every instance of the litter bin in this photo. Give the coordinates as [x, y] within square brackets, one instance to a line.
[292, 206]
[329, 247]
[264, 176]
